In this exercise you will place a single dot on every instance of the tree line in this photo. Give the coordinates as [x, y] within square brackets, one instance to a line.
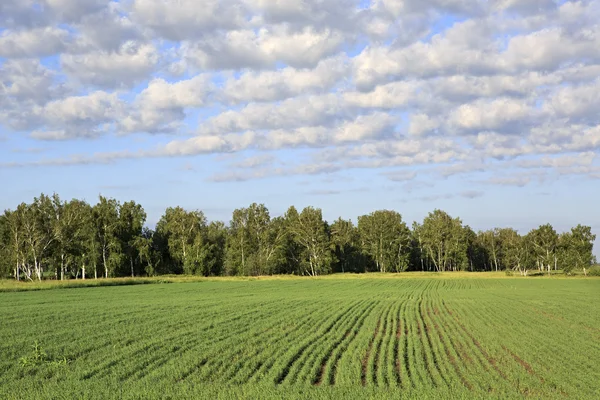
[52, 238]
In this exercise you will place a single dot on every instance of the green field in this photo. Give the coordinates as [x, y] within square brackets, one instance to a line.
[334, 337]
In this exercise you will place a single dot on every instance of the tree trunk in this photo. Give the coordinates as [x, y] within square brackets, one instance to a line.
[62, 267]
[36, 268]
[83, 272]
[131, 261]
[104, 262]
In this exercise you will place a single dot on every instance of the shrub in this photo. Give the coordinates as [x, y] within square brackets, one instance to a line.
[594, 271]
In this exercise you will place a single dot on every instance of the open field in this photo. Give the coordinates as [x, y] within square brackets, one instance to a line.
[378, 336]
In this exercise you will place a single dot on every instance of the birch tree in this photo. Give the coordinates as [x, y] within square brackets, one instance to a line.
[311, 233]
[544, 240]
[131, 223]
[106, 222]
[442, 238]
[185, 232]
[386, 239]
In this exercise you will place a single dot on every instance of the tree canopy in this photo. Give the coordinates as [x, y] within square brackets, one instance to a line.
[53, 238]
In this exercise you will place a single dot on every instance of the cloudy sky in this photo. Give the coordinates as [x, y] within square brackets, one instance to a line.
[486, 109]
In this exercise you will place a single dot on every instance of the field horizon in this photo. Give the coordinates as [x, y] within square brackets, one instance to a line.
[10, 285]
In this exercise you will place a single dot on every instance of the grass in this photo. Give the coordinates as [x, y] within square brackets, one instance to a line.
[382, 336]
[10, 285]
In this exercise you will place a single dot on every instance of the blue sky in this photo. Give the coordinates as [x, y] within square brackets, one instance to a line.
[485, 109]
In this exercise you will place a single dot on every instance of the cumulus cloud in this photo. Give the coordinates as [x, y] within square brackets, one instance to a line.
[265, 86]
[32, 43]
[238, 49]
[77, 116]
[460, 88]
[161, 106]
[186, 19]
[132, 63]
[307, 111]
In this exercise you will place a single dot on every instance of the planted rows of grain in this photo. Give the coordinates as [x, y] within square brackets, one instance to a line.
[318, 338]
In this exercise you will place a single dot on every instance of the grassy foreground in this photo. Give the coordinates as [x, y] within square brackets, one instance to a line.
[368, 336]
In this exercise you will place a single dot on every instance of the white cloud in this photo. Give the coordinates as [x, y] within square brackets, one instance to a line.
[187, 19]
[547, 49]
[460, 87]
[292, 113]
[340, 14]
[161, 106]
[21, 14]
[502, 114]
[578, 103]
[26, 80]
[132, 63]
[77, 116]
[391, 95]
[287, 82]
[107, 29]
[73, 10]
[39, 42]
[581, 159]
[239, 49]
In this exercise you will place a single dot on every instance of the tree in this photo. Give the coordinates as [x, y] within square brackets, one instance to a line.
[476, 254]
[185, 232]
[217, 237]
[254, 245]
[69, 230]
[443, 240]
[492, 243]
[131, 223]
[240, 243]
[516, 252]
[575, 248]
[89, 244]
[6, 264]
[345, 243]
[38, 234]
[544, 241]
[311, 233]
[106, 222]
[72, 238]
[386, 239]
[420, 258]
[15, 239]
[146, 251]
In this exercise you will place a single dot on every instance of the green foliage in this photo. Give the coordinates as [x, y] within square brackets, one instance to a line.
[386, 240]
[38, 356]
[311, 234]
[443, 241]
[345, 244]
[594, 271]
[55, 239]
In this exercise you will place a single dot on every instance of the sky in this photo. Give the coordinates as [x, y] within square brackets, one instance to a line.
[485, 109]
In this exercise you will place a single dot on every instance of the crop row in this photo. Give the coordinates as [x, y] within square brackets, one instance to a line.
[462, 337]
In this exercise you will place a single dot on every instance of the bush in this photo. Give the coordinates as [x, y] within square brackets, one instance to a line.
[594, 271]
[508, 272]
